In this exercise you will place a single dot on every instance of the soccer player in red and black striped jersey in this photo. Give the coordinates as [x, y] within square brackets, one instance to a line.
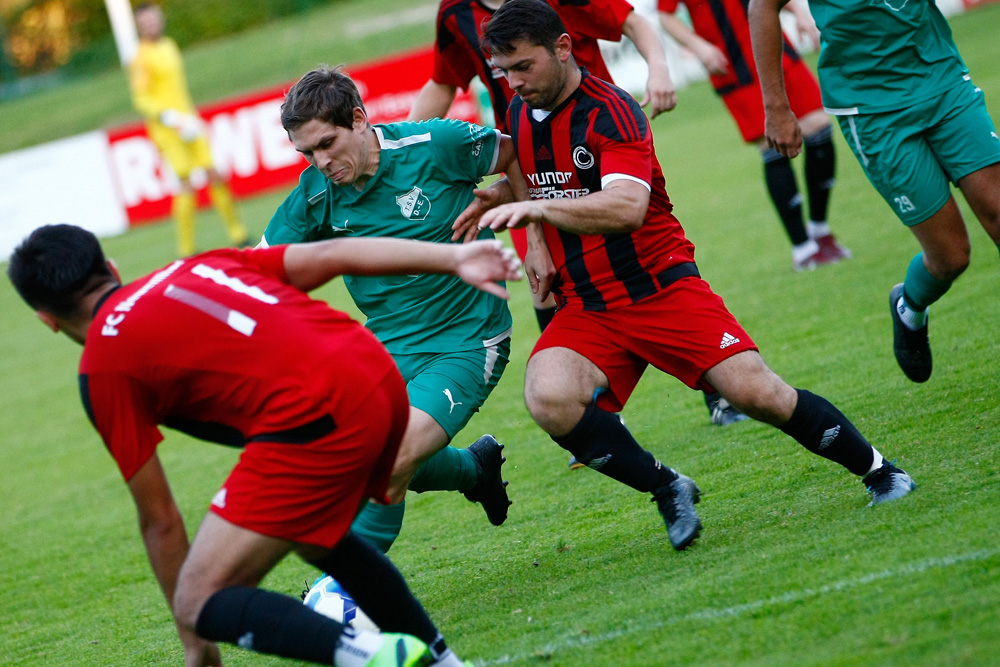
[225, 346]
[720, 38]
[629, 291]
[458, 59]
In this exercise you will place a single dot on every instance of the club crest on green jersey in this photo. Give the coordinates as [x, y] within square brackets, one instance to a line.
[414, 205]
[894, 5]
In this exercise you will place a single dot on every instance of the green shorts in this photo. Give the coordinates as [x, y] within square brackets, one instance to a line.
[911, 154]
[451, 386]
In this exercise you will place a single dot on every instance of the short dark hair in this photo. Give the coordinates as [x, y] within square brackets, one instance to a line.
[56, 266]
[326, 94]
[532, 21]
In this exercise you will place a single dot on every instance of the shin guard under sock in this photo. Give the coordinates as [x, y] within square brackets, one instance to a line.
[450, 469]
[920, 288]
[267, 622]
[820, 167]
[780, 180]
[379, 524]
[820, 427]
[378, 588]
[602, 442]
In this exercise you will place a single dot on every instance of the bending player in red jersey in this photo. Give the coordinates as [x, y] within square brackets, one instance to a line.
[315, 445]
[629, 289]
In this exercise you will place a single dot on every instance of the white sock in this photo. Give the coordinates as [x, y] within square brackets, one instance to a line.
[355, 648]
[817, 229]
[913, 319]
[877, 461]
[803, 251]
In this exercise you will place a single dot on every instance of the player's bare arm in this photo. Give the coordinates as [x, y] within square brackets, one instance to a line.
[661, 92]
[481, 264]
[165, 538]
[433, 101]
[714, 60]
[781, 128]
[619, 208]
[538, 264]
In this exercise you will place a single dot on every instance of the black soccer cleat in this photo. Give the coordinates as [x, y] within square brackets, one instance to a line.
[491, 490]
[676, 503]
[721, 412]
[912, 348]
[887, 482]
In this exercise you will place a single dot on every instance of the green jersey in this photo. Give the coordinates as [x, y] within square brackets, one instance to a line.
[882, 55]
[426, 174]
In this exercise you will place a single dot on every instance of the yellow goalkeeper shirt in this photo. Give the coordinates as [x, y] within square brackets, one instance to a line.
[157, 79]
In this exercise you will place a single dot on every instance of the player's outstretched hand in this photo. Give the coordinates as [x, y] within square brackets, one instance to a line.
[511, 216]
[466, 225]
[782, 131]
[660, 91]
[483, 264]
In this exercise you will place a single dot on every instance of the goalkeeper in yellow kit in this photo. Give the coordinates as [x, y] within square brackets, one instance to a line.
[160, 93]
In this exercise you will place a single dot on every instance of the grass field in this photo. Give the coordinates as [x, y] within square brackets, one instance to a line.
[792, 569]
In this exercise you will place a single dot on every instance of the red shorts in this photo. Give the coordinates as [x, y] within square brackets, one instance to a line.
[746, 103]
[310, 493]
[683, 330]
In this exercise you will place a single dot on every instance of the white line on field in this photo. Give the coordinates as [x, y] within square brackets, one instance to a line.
[737, 610]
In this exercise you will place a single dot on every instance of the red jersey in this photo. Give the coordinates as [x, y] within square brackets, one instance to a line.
[219, 346]
[458, 58]
[724, 24]
[598, 135]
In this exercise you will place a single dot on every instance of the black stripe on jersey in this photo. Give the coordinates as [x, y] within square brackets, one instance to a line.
[626, 119]
[465, 19]
[84, 383]
[733, 50]
[621, 252]
[221, 434]
[541, 136]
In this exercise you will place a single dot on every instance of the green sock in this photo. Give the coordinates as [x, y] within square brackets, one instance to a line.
[379, 524]
[450, 469]
[921, 289]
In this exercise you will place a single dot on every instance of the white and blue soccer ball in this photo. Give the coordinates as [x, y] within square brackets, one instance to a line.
[328, 598]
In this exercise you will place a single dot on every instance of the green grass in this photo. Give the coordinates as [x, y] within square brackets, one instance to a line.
[792, 568]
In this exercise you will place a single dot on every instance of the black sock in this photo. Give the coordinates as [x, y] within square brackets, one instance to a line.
[820, 166]
[780, 180]
[544, 316]
[822, 429]
[378, 588]
[267, 622]
[602, 442]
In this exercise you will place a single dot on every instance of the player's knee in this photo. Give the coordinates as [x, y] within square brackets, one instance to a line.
[767, 398]
[948, 263]
[188, 603]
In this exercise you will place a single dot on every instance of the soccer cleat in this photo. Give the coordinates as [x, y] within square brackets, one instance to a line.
[912, 348]
[676, 503]
[811, 262]
[887, 482]
[491, 490]
[722, 412]
[829, 246]
[574, 464]
[400, 650]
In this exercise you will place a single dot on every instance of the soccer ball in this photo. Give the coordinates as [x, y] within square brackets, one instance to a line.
[328, 598]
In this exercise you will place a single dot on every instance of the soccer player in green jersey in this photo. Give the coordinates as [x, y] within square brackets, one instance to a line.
[891, 74]
[451, 343]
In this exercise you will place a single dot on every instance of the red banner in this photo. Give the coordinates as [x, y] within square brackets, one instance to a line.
[249, 146]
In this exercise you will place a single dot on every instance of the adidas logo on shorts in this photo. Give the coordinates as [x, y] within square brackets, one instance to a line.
[727, 340]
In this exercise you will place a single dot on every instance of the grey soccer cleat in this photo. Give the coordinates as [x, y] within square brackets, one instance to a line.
[490, 490]
[912, 348]
[887, 482]
[676, 503]
[721, 411]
